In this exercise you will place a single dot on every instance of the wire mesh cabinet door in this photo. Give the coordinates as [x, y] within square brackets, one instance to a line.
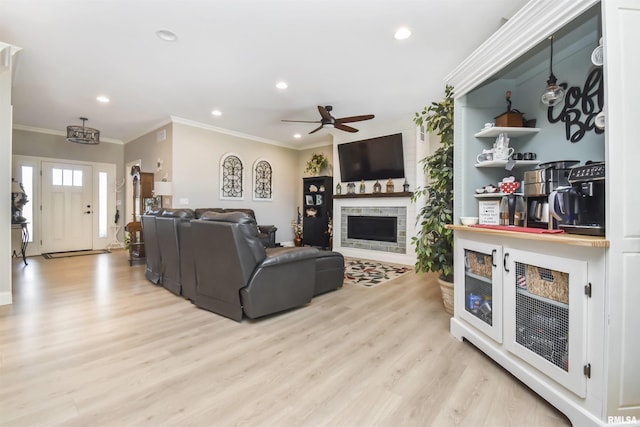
[545, 313]
[478, 296]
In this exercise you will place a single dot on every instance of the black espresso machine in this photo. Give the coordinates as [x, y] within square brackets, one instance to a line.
[579, 208]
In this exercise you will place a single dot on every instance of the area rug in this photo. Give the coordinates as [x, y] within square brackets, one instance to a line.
[54, 255]
[368, 274]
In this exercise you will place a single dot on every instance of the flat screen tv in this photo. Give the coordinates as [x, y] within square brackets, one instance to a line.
[372, 159]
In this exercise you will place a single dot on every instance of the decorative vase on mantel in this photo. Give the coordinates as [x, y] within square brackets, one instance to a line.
[297, 241]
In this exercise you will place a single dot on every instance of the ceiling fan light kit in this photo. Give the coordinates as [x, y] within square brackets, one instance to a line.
[553, 94]
[328, 121]
[82, 134]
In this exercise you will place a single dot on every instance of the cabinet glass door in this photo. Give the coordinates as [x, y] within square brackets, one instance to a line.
[545, 314]
[479, 294]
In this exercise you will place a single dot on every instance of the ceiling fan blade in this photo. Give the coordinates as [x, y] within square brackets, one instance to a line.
[316, 129]
[325, 113]
[345, 127]
[355, 118]
[301, 121]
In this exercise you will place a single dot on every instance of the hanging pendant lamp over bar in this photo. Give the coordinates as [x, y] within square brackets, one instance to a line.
[554, 94]
[82, 134]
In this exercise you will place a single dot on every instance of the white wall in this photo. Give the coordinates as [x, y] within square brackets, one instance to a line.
[413, 151]
[5, 175]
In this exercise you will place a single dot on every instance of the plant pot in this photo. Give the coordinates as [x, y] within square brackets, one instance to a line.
[446, 288]
[297, 241]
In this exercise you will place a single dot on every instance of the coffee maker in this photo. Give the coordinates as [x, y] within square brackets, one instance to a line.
[538, 184]
[580, 207]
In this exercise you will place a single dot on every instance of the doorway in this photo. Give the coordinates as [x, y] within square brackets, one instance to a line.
[67, 207]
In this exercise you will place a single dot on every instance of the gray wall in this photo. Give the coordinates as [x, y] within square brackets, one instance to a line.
[196, 174]
[151, 148]
[36, 144]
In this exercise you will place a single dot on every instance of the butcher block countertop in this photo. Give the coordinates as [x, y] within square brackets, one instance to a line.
[564, 238]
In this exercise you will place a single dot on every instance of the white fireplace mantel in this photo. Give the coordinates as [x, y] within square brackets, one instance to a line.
[407, 258]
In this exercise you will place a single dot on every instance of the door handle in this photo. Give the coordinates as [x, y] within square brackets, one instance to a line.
[504, 262]
[493, 255]
[87, 212]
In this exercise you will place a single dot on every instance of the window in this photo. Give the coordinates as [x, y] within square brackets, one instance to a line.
[26, 177]
[102, 203]
[262, 180]
[66, 177]
[231, 177]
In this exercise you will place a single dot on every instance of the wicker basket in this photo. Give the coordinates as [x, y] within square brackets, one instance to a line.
[479, 264]
[547, 283]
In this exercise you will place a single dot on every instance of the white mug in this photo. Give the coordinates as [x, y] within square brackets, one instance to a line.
[484, 156]
[502, 141]
[502, 153]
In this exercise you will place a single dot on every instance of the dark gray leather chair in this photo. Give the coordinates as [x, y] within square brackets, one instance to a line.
[153, 270]
[168, 241]
[235, 274]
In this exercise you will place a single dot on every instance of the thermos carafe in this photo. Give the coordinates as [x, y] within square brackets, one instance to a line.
[513, 210]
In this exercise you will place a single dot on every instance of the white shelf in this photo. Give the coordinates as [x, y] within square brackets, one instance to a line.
[502, 163]
[512, 132]
[497, 194]
[478, 277]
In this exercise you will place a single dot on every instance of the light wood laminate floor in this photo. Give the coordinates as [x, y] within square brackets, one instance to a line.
[89, 341]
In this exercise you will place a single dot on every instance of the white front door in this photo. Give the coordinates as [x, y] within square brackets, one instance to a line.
[67, 211]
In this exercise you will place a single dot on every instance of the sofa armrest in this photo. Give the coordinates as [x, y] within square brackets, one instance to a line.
[280, 256]
[267, 234]
[268, 229]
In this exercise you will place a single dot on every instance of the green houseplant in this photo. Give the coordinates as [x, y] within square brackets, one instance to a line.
[433, 241]
[317, 163]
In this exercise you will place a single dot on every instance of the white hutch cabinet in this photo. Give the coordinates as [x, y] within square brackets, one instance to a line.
[560, 312]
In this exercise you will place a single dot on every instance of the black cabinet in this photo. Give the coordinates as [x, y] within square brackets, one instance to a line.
[317, 195]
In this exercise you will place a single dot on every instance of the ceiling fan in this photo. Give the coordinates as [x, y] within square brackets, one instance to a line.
[328, 119]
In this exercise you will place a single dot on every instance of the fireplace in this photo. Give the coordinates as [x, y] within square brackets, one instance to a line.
[376, 228]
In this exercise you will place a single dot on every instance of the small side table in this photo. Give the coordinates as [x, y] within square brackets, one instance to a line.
[20, 240]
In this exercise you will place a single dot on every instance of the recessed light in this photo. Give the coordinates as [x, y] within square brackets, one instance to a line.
[216, 113]
[166, 35]
[402, 33]
[282, 85]
[102, 99]
[297, 136]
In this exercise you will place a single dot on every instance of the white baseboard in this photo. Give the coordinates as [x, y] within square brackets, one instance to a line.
[405, 259]
[6, 298]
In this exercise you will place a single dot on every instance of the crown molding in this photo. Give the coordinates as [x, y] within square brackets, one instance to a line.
[152, 129]
[59, 133]
[535, 22]
[195, 124]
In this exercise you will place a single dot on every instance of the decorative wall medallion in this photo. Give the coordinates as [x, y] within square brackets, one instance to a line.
[581, 106]
[231, 177]
[262, 180]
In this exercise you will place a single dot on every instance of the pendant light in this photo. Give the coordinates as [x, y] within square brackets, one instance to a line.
[554, 94]
[82, 134]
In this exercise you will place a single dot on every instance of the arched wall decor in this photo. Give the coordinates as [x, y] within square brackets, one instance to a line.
[262, 180]
[231, 177]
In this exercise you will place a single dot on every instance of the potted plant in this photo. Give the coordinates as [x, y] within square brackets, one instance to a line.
[317, 163]
[433, 241]
[296, 224]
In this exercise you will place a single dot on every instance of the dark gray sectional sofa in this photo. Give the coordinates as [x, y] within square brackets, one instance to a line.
[222, 261]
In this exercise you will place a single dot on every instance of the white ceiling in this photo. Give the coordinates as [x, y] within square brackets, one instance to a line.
[230, 54]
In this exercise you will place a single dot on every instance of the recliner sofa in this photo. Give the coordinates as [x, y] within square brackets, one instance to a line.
[224, 266]
[237, 276]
